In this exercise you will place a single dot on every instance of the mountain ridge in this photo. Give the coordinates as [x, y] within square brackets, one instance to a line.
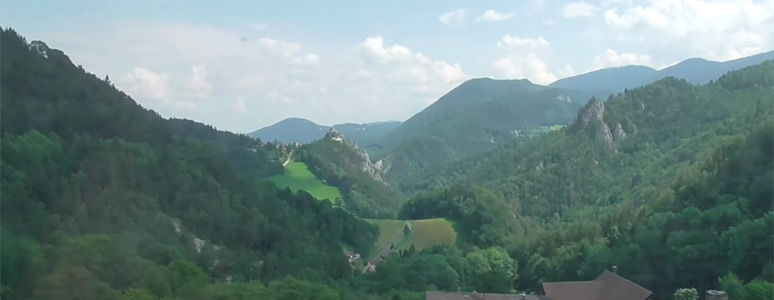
[299, 130]
[695, 70]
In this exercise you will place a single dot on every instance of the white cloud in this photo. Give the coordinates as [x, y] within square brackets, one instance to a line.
[721, 30]
[199, 82]
[145, 83]
[286, 49]
[528, 66]
[421, 66]
[306, 59]
[521, 60]
[453, 17]
[565, 71]
[148, 83]
[611, 58]
[239, 105]
[509, 41]
[491, 15]
[373, 49]
[578, 10]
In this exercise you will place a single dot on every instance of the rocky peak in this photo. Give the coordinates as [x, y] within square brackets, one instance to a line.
[335, 135]
[619, 134]
[593, 111]
[373, 169]
[592, 116]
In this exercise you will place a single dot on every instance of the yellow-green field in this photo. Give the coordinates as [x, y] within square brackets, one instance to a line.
[388, 231]
[298, 177]
[428, 233]
[424, 234]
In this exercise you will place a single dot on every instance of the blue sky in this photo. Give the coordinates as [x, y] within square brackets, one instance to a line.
[242, 65]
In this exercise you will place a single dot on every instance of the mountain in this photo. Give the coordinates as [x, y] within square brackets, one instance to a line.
[303, 131]
[701, 71]
[291, 130]
[470, 119]
[669, 178]
[694, 70]
[608, 79]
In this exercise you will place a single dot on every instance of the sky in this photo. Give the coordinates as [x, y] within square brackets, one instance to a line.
[242, 65]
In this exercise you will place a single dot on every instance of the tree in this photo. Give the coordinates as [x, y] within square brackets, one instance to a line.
[732, 285]
[758, 290]
[686, 294]
[492, 269]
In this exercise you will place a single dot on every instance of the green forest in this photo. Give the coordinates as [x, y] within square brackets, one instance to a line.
[102, 198]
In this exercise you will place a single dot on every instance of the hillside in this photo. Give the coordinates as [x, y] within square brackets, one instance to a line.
[475, 117]
[658, 180]
[693, 70]
[303, 131]
[298, 177]
[343, 164]
[103, 199]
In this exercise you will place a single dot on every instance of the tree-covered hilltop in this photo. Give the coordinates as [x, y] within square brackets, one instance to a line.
[343, 164]
[671, 182]
[103, 199]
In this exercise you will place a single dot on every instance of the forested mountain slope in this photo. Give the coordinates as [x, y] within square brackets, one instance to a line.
[471, 119]
[103, 199]
[670, 182]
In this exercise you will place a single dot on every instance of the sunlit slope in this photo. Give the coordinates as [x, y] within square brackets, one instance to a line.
[298, 177]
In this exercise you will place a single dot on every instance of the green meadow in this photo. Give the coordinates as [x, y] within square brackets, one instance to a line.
[298, 177]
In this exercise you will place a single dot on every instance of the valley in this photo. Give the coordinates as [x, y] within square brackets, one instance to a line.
[499, 186]
[419, 234]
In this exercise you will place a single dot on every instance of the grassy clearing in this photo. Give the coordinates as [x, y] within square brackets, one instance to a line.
[428, 233]
[298, 177]
[425, 233]
[389, 230]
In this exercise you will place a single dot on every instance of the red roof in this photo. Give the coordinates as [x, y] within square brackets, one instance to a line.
[481, 296]
[607, 286]
[573, 290]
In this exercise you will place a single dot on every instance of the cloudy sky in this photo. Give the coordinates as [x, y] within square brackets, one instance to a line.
[242, 65]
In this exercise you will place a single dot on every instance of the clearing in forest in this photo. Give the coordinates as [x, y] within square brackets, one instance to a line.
[298, 177]
[423, 234]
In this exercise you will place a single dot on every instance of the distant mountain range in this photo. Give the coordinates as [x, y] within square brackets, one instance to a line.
[694, 70]
[298, 130]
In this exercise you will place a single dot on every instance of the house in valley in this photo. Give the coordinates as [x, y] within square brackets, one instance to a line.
[481, 296]
[607, 286]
